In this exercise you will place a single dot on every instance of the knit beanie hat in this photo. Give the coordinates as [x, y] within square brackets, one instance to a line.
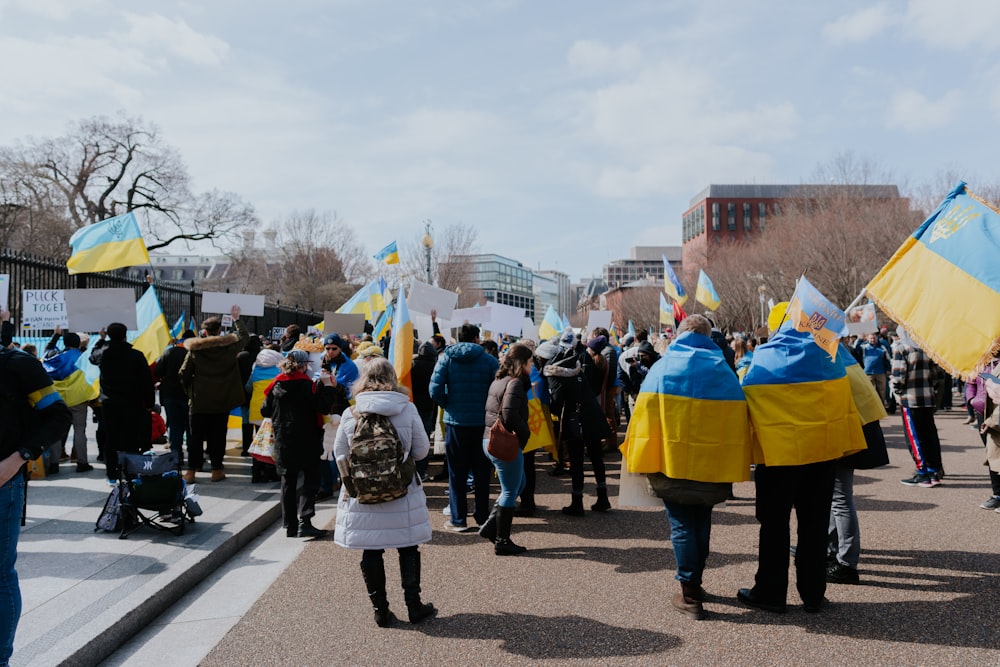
[598, 343]
[567, 338]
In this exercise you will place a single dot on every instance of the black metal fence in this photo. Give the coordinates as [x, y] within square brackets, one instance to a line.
[28, 272]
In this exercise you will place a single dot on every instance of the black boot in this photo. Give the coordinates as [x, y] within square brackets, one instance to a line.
[374, 574]
[409, 574]
[488, 531]
[503, 546]
[602, 504]
[306, 529]
[575, 508]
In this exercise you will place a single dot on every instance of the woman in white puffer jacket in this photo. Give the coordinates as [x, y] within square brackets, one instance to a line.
[400, 524]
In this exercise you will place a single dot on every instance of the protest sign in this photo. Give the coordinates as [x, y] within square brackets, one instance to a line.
[598, 318]
[43, 309]
[95, 309]
[422, 298]
[343, 323]
[251, 305]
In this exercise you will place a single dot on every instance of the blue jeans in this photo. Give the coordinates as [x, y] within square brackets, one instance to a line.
[11, 506]
[464, 449]
[511, 476]
[690, 531]
[845, 534]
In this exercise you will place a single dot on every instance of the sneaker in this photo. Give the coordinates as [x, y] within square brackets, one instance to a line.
[841, 574]
[917, 480]
[992, 503]
[929, 481]
[456, 528]
[939, 475]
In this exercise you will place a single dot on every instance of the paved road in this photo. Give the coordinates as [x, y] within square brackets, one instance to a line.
[596, 590]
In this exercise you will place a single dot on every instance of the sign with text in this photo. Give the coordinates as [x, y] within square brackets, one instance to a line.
[44, 309]
[251, 305]
[95, 309]
[277, 333]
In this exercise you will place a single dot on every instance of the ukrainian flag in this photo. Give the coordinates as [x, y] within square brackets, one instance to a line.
[265, 369]
[801, 406]
[808, 310]
[614, 340]
[377, 295]
[706, 293]
[388, 254]
[631, 329]
[401, 345]
[947, 272]
[671, 284]
[178, 328]
[550, 326]
[690, 418]
[153, 335]
[384, 322]
[359, 303]
[666, 311]
[103, 246]
[866, 399]
[539, 418]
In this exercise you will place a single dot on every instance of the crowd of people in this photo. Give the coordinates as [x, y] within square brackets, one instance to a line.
[319, 392]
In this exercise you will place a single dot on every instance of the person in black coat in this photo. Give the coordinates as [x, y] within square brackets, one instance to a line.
[296, 406]
[172, 396]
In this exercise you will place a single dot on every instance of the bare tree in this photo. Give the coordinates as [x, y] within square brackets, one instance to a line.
[449, 263]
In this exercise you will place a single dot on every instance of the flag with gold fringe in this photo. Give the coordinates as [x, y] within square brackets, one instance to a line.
[943, 284]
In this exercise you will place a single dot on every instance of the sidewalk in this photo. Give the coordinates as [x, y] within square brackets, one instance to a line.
[86, 593]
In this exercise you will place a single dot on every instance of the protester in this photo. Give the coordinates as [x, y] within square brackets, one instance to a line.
[32, 417]
[245, 361]
[343, 373]
[690, 434]
[172, 397]
[508, 401]
[266, 367]
[296, 406]
[211, 378]
[127, 396]
[77, 393]
[914, 377]
[400, 524]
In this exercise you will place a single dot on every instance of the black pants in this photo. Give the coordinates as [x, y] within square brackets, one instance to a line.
[808, 489]
[595, 452]
[299, 501]
[209, 429]
[126, 429]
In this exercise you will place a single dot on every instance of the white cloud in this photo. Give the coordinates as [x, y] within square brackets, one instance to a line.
[58, 10]
[912, 111]
[861, 25]
[954, 26]
[589, 57]
[177, 38]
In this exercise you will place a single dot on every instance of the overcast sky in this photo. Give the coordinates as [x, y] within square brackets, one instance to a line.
[564, 131]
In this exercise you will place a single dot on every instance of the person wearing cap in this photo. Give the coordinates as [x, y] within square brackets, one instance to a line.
[459, 384]
[76, 392]
[210, 375]
[344, 373]
[296, 404]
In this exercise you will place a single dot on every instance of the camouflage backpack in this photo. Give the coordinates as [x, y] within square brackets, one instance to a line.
[377, 469]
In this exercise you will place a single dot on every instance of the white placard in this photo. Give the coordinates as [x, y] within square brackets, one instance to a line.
[529, 330]
[422, 324]
[423, 298]
[251, 305]
[95, 309]
[504, 319]
[461, 316]
[343, 323]
[4, 291]
[277, 333]
[43, 309]
[598, 318]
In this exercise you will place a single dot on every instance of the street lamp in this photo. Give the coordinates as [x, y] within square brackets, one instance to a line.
[428, 243]
[763, 318]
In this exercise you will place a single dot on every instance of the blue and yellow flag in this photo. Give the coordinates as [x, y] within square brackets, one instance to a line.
[808, 310]
[613, 339]
[706, 293]
[671, 284]
[377, 296]
[565, 323]
[388, 254]
[690, 418]
[193, 325]
[666, 311]
[383, 324]
[178, 328]
[866, 399]
[359, 303]
[551, 325]
[401, 345]
[539, 419]
[631, 329]
[801, 406]
[153, 334]
[948, 272]
[103, 246]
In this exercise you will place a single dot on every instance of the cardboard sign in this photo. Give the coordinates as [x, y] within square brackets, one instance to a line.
[598, 318]
[504, 319]
[529, 329]
[4, 291]
[251, 305]
[423, 298]
[44, 309]
[344, 324]
[94, 309]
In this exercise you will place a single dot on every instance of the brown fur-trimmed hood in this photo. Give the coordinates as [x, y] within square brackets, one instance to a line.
[199, 344]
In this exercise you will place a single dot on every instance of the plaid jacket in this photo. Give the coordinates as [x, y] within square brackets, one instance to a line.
[914, 377]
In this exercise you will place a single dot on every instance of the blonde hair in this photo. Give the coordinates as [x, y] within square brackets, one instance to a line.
[376, 374]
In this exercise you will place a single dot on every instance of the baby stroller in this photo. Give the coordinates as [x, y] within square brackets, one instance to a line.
[151, 493]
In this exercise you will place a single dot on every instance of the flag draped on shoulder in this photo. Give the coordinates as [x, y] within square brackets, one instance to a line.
[266, 367]
[672, 284]
[103, 246]
[401, 345]
[947, 272]
[866, 399]
[706, 293]
[810, 311]
[388, 254]
[690, 417]
[551, 325]
[800, 401]
[539, 418]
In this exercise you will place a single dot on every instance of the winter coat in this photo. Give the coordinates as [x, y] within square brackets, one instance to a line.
[296, 406]
[210, 374]
[167, 371]
[719, 339]
[420, 375]
[514, 408]
[403, 522]
[460, 381]
[126, 383]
